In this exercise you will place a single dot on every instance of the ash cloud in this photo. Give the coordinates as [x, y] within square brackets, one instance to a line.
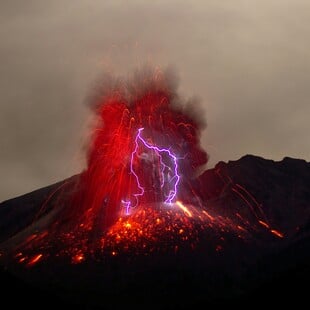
[142, 81]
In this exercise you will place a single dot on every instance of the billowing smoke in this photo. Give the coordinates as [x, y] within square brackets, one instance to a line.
[144, 146]
[139, 194]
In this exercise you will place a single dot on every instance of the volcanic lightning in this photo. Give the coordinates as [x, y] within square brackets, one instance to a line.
[138, 187]
[144, 148]
[174, 179]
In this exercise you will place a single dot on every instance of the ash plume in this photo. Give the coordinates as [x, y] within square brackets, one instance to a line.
[149, 101]
[145, 80]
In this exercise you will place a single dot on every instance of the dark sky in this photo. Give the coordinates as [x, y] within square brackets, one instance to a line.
[248, 62]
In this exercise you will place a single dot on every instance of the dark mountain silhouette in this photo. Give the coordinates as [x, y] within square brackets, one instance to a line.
[268, 201]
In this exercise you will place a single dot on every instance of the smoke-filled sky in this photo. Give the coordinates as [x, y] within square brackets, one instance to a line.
[247, 61]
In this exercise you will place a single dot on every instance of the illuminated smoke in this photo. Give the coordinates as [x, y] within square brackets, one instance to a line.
[138, 188]
[124, 167]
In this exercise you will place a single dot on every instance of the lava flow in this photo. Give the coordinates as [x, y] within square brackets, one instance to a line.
[136, 194]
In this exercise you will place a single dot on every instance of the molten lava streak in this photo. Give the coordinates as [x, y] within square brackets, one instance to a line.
[144, 147]
[136, 194]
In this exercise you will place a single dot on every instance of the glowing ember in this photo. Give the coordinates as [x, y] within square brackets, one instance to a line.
[132, 156]
[277, 233]
[136, 195]
[78, 258]
[153, 228]
[35, 259]
[186, 211]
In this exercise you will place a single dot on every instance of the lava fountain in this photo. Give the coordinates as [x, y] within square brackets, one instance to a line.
[144, 148]
[137, 194]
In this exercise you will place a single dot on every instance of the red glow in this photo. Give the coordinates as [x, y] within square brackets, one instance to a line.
[34, 260]
[78, 258]
[264, 224]
[108, 181]
[94, 224]
[182, 207]
[277, 233]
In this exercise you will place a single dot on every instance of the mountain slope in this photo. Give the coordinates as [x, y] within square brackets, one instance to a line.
[250, 239]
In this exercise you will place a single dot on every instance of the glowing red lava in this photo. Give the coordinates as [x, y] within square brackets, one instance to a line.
[143, 147]
[136, 195]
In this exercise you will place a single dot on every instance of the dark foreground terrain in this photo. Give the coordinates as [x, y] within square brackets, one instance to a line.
[268, 267]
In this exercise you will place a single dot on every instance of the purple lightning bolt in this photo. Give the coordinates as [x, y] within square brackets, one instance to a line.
[127, 206]
[158, 151]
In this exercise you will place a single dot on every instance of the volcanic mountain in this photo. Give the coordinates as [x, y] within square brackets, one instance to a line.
[242, 233]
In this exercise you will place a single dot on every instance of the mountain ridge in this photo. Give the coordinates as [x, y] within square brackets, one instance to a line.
[269, 198]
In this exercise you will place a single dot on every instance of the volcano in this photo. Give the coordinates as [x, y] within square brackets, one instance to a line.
[145, 225]
[243, 235]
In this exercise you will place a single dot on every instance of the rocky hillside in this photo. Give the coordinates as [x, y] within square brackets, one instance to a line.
[249, 240]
